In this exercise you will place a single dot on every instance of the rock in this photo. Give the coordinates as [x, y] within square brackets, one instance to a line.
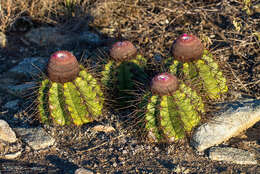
[12, 105]
[36, 138]
[10, 150]
[12, 155]
[89, 38]
[29, 67]
[83, 171]
[47, 36]
[21, 24]
[158, 57]
[6, 132]
[232, 155]
[235, 118]
[101, 128]
[19, 90]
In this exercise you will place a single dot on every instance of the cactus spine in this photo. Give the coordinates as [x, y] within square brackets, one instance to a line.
[201, 67]
[124, 70]
[77, 100]
[169, 115]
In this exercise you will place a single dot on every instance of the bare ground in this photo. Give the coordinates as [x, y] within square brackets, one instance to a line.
[230, 29]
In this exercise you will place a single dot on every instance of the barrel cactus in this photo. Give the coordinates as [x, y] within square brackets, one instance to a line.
[122, 73]
[169, 110]
[192, 62]
[70, 94]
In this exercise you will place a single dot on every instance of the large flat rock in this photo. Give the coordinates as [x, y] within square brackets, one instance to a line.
[36, 138]
[232, 155]
[235, 118]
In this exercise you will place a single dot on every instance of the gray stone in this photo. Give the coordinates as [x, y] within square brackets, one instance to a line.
[89, 38]
[232, 155]
[12, 105]
[158, 57]
[83, 171]
[235, 118]
[47, 36]
[36, 138]
[19, 90]
[29, 67]
[6, 132]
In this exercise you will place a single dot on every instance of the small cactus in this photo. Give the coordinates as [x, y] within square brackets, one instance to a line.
[124, 70]
[194, 62]
[70, 94]
[170, 109]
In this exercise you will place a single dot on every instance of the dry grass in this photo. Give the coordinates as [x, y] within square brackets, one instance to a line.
[230, 29]
[43, 11]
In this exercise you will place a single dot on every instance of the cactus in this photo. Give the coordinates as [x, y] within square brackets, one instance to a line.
[170, 109]
[70, 94]
[124, 70]
[195, 63]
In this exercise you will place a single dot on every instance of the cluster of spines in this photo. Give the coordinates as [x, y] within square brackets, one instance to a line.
[79, 101]
[124, 70]
[169, 111]
[169, 117]
[201, 68]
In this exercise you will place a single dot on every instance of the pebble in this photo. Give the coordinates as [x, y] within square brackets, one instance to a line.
[6, 132]
[29, 67]
[235, 118]
[232, 155]
[83, 171]
[103, 128]
[36, 138]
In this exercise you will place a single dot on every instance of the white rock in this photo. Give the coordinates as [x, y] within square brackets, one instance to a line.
[232, 155]
[236, 118]
[13, 155]
[6, 132]
[83, 171]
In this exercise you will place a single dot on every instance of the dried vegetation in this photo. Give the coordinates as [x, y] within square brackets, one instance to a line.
[230, 29]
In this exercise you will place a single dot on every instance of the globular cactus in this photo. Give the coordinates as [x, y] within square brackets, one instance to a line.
[193, 62]
[124, 70]
[169, 110]
[70, 94]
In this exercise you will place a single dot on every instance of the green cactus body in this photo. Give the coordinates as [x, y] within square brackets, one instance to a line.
[206, 71]
[42, 99]
[107, 73]
[124, 75]
[79, 101]
[168, 118]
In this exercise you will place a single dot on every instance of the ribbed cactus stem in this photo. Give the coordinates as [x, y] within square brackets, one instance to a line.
[170, 110]
[125, 68]
[198, 66]
[77, 101]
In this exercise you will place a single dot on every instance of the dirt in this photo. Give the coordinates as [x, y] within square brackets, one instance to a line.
[227, 30]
